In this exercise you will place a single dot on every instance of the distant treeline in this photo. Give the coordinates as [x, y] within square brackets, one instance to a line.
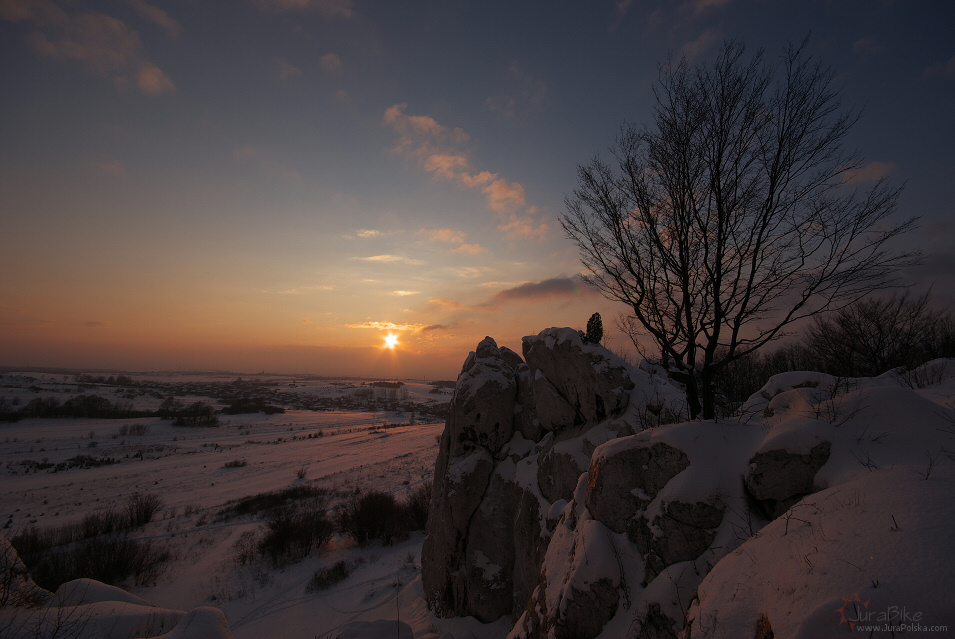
[78, 406]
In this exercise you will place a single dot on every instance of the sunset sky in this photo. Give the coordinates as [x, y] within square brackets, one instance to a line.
[280, 184]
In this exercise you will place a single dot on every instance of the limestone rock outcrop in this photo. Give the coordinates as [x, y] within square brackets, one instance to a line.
[519, 435]
[562, 500]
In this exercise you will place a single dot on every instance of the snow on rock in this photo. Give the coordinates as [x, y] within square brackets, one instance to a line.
[519, 435]
[85, 591]
[560, 501]
[812, 454]
[871, 553]
[89, 609]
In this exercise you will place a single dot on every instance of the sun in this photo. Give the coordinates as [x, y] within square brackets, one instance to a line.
[391, 341]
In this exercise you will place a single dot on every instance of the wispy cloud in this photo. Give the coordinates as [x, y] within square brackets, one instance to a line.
[265, 165]
[10, 316]
[387, 258]
[331, 63]
[449, 236]
[330, 8]
[366, 233]
[106, 45]
[524, 90]
[867, 45]
[438, 150]
[443, 235]
[700, 6]
[156, 16]
[695, 49]
[944, 69]
[452, 305]
[388, 326]
[553, 288]
[286, 70]
[405, 293]
[871, 172]
[470, 249]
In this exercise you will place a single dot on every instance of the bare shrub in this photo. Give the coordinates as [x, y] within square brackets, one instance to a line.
[417, 505]
[108, 558]
[371, 516]
[877, 334]
[293, 532]
[338, 572]
[264, 502]
[244, 548]
[141, 508]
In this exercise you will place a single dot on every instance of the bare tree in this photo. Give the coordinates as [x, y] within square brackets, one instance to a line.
[733, 214]
[877, 334]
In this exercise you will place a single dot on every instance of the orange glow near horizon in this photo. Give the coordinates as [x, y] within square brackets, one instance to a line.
[391, 341]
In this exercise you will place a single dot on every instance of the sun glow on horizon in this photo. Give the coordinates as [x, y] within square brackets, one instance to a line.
[391, 341]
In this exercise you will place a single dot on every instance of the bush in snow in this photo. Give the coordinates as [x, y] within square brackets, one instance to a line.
[294, 531]
[370, 516]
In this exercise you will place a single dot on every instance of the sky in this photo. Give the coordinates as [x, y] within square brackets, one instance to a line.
[280, 185]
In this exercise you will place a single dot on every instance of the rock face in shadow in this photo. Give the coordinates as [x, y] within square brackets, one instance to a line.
[518, 437]
[777, 479]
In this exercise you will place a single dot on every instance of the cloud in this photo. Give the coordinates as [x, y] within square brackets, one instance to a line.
[871, 172]
[470, 249]
[443, 235]
[558, 287]
[528, 292]
[151, 80]
[329, 8]
[156, 16]
[286, 69]
[386, 259]
[265, 165]
[96, 324]
[437, 150]
[449, 236]
[436, 327]
[106, 45]
[446, 303]
[331, 63]
[700, 6]
[942, 69]
[867, 45]
[504, 105]
[529, 91]
[695, 49]
[10, 316]
[367, 233]
[388, 326]
[405, 293]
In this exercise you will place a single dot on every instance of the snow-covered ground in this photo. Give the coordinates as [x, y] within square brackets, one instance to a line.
[187, 467]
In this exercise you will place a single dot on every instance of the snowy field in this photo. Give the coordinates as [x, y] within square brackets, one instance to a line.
[388, 446]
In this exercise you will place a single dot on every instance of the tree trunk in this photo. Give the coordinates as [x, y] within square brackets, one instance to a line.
[688, 379]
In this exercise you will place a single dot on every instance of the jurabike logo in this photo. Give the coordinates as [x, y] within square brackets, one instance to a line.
[855, 611]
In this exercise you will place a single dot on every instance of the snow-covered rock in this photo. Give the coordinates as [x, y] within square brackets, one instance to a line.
[89, 609]
[584, 520]
[677, 503]
[519, 435]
